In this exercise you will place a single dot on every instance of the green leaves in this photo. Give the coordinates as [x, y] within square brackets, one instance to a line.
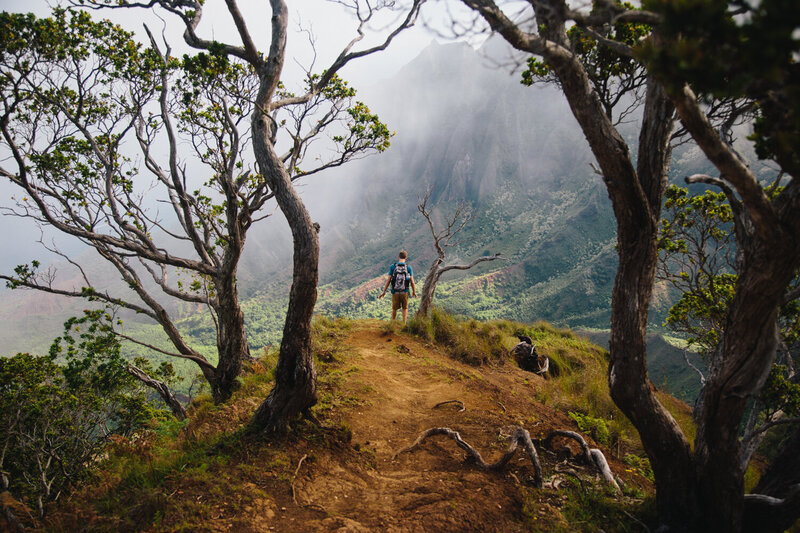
[57, 411]
[366, 129]
[612, 74]
[780, 393]
[736, 49]
[697, 256]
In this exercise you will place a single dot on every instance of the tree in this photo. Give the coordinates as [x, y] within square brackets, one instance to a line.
[698, 257]
[700, 488]
[79, 97]
[636, 192]
[443, 239]
[759, 67]
[295, 377]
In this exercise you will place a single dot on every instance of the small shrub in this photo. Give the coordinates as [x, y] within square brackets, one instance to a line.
[596, 427]
[67, 406]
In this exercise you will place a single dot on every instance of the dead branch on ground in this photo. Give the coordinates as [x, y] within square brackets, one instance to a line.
[294, 478]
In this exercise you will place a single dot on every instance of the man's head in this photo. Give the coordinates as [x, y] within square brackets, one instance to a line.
[402, 255]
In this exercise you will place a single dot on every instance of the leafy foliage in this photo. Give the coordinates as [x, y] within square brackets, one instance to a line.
[759, 45]
[78, 97]
[56, 417]
[697, 258]
[613, 76]
[596, 427]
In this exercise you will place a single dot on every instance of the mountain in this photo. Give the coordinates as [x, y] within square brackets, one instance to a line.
[470, 133]
[515, 155]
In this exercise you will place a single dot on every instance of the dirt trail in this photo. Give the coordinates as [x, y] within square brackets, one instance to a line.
[429, 489]
[383, 388]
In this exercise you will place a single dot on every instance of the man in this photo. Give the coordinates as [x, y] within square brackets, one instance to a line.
[401, 277]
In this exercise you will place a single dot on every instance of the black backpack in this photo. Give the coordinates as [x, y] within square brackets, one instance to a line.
[400, 278]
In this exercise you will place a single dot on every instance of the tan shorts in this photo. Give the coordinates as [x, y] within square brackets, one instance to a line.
[399, 300]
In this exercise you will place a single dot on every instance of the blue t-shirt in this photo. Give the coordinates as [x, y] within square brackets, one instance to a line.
[410, 274]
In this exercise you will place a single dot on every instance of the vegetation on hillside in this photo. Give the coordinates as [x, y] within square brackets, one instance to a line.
[168, 475]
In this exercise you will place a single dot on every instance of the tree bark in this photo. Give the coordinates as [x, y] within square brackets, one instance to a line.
[768, 257]
[781, 481]
[700, 491]
[295, 377]
[636, 196]
[232, 343]
[429, 287]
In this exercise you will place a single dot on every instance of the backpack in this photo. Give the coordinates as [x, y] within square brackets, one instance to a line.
[400, 278]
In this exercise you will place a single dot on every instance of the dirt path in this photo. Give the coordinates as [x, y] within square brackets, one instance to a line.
[429, 489]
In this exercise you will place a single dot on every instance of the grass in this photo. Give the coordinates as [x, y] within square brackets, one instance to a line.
[575, 509]
[475, 343]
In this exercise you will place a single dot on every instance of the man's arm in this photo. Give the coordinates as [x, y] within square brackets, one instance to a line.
[386, 286]
[413, 288]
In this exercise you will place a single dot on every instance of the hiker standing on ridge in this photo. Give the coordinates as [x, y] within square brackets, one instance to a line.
[400, 278]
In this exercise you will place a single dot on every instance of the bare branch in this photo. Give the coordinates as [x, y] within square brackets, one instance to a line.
[197, 358]
[162, 389]
[442, 270]
[732, 168]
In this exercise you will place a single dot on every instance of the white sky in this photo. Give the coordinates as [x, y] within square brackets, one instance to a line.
[331, 24]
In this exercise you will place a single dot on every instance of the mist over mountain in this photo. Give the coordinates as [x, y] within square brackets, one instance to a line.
[472, 133]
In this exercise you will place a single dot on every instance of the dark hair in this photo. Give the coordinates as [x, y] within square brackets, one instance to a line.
[402, 254]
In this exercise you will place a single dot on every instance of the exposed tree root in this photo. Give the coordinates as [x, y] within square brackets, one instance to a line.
[570, 472]
[294, 477]
[591, 456]
[520, 435]
[459, 402]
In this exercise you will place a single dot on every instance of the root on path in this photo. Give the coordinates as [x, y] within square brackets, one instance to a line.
[591, 456]
[521, 435]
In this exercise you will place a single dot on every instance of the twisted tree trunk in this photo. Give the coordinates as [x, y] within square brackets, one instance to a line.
[429, 287]
[295, 376]
[232, 343]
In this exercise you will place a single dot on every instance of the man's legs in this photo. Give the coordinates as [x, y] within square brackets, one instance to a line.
[396, 304]
[400, 301]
